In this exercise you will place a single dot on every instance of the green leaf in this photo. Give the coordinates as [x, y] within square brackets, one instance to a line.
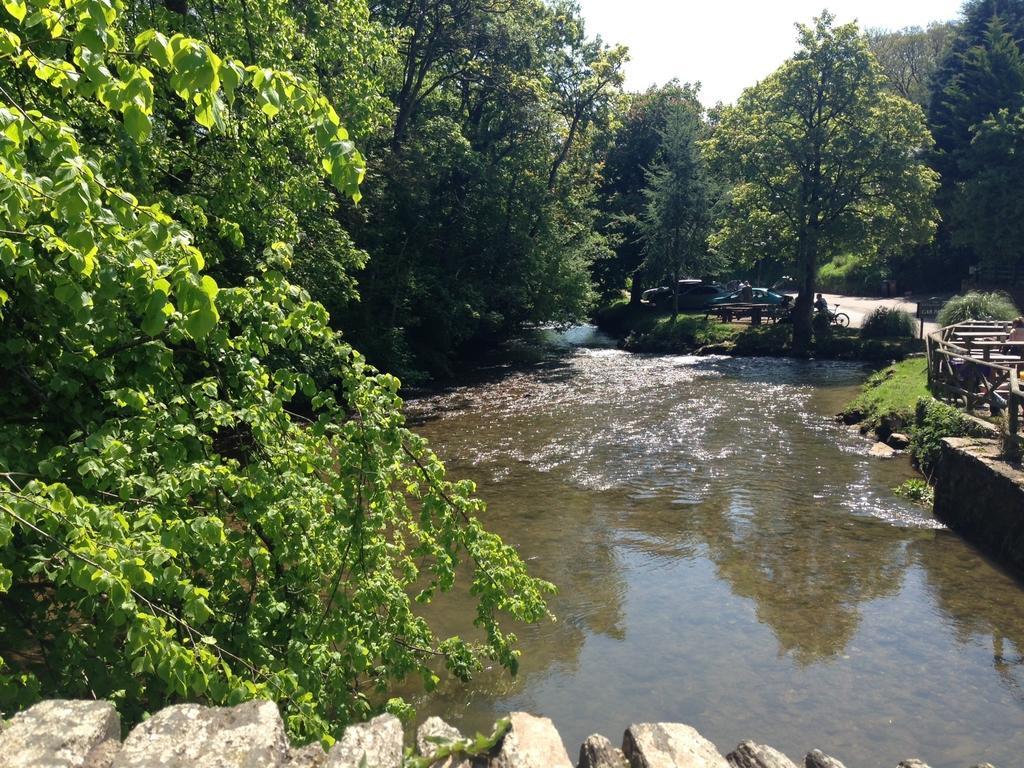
[16, 8]
[156, 45]
[137, 123]
[9, 42]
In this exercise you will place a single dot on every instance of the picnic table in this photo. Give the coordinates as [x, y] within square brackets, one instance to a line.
[738, 310]
[997, 348]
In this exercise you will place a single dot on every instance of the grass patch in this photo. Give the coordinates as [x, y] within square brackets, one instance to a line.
[847, 273]
[647, 329]
[890, 396]
[687, 333]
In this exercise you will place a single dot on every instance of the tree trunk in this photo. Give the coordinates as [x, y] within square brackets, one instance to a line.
[636, 287]
[675, 295]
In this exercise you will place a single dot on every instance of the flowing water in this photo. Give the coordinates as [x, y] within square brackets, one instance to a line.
[730, 557]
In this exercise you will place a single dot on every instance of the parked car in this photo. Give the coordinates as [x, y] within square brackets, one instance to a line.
[693, 294]
[759, 296]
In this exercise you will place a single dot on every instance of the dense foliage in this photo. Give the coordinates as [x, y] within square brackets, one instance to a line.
[481, 210]
[637, 147]
[823, 160]
[678, 199]
[977, 305]
[185, 512]
[888, 322]
[974, 115]
[933, 421]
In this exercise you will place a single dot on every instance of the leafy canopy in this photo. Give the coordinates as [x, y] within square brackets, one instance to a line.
[184, 513]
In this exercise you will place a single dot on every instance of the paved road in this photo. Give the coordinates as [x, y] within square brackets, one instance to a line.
[858, 307]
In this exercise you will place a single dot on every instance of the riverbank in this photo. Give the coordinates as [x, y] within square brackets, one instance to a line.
[641, 328]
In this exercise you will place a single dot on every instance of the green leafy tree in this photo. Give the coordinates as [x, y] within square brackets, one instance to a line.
[677, 216]
[823, 160]
[982, 105]
[978, 76]
[987, 213]
[910, 57]
[635, 146]
[480, 215]
[184, 512]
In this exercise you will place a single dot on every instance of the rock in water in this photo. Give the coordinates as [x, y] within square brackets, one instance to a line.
[379, 742]
[669, 745]
[900, 442]
[913, 763]
[818, 759]
[751, 755]
[882, 451]
[598, 752]
[62, 734]
[187, 735]
[531, 742]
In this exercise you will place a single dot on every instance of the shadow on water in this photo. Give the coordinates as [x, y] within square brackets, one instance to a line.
[726, 556]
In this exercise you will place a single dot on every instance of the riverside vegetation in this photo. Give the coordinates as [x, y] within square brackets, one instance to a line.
[207, 491]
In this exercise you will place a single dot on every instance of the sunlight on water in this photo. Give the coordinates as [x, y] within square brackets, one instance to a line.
[730, 557]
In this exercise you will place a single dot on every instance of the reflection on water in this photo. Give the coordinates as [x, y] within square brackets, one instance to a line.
[729, 557]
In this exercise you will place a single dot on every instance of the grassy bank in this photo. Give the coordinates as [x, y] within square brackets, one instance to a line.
[896, 404]
[645, 329]
[890, 396]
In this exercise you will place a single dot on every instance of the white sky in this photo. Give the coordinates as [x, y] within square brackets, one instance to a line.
[730, 44]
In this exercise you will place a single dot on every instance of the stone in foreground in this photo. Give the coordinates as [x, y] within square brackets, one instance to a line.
[435, 732]
[310, 756]
[62, 734]
[818, 759]
[599, 752]
[913, 763]
[669, 745]
[378, 741]
[186, 735]
[531, 742]
[750, 755]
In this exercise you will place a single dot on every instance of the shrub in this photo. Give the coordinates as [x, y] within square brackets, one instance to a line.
[822, 323]
[977, 305]
[934, 420]
[888, 323]
[171, 527]
[916, 490]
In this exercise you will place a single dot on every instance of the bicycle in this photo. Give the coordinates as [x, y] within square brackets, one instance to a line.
[838, 318]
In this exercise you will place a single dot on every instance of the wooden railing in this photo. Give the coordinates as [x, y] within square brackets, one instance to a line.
[975, 365]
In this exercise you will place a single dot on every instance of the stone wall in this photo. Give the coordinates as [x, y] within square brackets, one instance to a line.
[982, 498]
[87, 734]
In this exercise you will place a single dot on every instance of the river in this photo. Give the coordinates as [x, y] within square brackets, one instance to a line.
[727, 556]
